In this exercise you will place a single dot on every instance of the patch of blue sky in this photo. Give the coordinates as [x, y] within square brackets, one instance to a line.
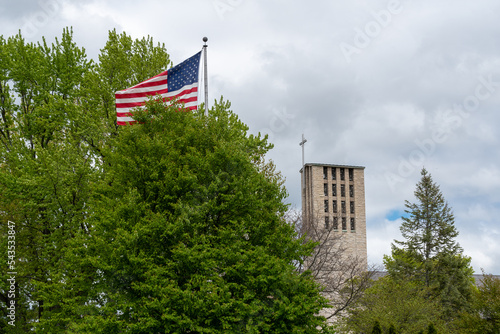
[395, 215]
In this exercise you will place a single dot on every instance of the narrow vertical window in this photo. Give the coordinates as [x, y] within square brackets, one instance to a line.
[351, 190]
[343, 206]
[325, 173]
[334, 206]
[342, 190]
[353, 224]
[351, 174]
[352, 207]
[334, 173]
[326, 205]
[342, 174]
[334, 190]
[325, 189]
[335, 223]
[344, 224]
[327, 223]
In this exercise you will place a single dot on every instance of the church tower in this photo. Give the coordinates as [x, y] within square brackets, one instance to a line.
[333, 199]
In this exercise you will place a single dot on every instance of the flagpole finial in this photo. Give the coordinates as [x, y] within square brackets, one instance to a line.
[205, 39]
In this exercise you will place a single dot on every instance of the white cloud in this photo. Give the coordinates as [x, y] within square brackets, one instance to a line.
[380, 238]
[484, 257]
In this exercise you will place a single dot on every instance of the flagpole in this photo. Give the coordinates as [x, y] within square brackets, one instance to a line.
[205, 39]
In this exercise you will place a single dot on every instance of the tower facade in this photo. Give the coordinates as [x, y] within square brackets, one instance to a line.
[333, 200]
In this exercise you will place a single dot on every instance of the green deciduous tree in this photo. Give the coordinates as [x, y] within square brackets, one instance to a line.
[376, 328]
[56, 116]
[174, 225]
[401, 304]
[484, 315]
[44, 168]
[430, 253]
[189, 233]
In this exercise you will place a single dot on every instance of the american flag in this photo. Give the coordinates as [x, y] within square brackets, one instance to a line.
[180, 82]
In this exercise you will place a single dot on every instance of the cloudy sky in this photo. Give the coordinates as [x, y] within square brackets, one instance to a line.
[392, 85]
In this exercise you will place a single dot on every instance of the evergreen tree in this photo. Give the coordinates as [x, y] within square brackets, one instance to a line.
[430, 253]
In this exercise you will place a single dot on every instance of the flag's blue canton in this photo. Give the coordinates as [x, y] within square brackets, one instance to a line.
[186, 73]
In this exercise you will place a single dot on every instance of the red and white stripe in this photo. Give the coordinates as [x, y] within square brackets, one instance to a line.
[136, 96]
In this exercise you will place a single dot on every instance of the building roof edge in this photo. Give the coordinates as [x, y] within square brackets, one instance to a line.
[332, 165]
